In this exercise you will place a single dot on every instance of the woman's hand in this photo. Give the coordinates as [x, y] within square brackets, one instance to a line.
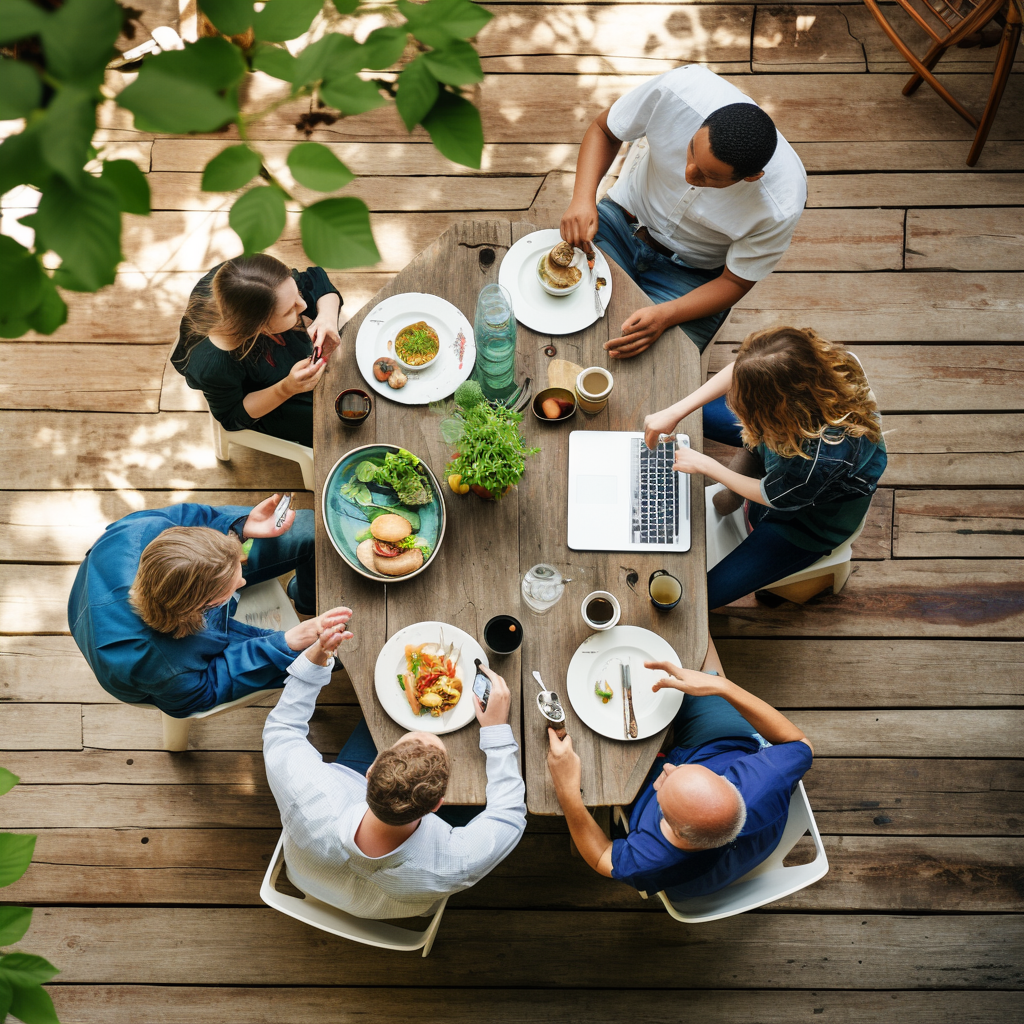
[697, 684]
[323, 333]
[261, 521]
[689, 461]
[579, 225]
[304, 376]
[322, 630]
[639, 332]
[658, 423]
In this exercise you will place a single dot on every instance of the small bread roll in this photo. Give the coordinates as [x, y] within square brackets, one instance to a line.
[391, 528]
[364, 552]
[403, 564]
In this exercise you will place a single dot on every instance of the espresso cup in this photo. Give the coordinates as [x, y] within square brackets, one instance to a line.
[593, 386]
[596, 605]
[664, 589]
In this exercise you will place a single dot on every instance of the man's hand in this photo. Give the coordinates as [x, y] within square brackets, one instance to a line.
[299, 637]
[697, 684]
[498, 703]
[323, 333]
[261, 521]
[579, 224]
[564, 765]
[639, 333]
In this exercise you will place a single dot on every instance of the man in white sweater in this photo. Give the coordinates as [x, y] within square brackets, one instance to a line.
[371, 844]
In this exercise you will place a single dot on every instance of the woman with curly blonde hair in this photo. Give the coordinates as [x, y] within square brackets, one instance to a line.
[803, 413]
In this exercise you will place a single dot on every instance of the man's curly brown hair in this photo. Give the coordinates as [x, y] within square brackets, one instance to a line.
[407, 781]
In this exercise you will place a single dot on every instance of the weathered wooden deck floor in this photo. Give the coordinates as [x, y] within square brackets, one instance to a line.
[910, 682]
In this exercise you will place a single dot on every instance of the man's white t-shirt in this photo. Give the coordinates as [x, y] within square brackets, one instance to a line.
[746, 226]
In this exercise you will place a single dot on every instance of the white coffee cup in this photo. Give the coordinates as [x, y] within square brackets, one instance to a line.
[599, 595]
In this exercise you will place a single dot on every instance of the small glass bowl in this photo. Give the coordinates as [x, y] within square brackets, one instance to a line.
[353, 406]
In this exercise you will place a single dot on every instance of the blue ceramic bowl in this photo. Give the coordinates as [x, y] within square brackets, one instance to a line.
[344, 517]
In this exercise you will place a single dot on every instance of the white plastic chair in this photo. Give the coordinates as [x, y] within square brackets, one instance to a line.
[291, 450]
[768, 882]
[320, 915]
[725, 533]
[271, 593]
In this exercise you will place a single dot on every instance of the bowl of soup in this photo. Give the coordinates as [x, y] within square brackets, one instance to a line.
[416, 346]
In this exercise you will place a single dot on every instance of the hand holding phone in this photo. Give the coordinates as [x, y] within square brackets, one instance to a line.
[481, 686]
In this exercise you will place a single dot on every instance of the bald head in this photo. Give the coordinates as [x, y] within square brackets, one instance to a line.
[700, 808]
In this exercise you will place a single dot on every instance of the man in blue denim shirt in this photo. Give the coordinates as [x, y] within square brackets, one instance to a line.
[714, 808]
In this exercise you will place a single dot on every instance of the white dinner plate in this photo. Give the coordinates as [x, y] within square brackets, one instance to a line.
[599, 658]
[391, 662]
[535, 308]
[444, 373]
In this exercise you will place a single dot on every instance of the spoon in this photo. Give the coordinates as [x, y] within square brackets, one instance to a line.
[551, 707]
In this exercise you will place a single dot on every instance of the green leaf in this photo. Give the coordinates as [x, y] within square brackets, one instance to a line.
[232, 17]
[22, 278]
[231, 169]
[455, 129]
[333, 56]
[18, 20]
[316, 167]
[14, 922]
[258, 217]
[78, 39]
[352, 95]
[438, 22]
[275, 61]
[26, 969]
[66, 132]
[455, 64]
[346, 6]
[33, 1005]
[8, 780]
[20, 89]
[83, 226]
[130, 184]
[336, 234]
[384, 46]
[179, 91]
[52, 311]
[6, 996]
[15, 856]
[281, 20]
[21, 161]
[417, 93]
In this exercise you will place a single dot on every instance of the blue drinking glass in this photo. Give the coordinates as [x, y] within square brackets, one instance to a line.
[495, 334]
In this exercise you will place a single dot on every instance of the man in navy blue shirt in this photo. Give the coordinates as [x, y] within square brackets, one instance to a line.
[713, 808]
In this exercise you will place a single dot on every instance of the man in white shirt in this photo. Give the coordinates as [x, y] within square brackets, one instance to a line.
[365, 837]
[705, 207]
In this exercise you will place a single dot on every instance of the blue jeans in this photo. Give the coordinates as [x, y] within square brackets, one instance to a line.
[765, 556]
[360, 752]
[661, 277]
[271, 557]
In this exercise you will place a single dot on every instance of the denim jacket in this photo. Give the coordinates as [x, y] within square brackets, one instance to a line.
[840, 468]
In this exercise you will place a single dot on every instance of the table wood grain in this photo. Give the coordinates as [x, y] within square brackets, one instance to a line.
[488, 545]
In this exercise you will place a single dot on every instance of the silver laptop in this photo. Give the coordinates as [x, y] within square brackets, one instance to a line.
[623, 496]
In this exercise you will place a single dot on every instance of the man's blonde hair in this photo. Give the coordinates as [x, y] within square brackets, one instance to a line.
[180, 573]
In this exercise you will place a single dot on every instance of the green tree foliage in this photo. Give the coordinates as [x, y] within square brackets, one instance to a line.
[21, 974]
[53, 59]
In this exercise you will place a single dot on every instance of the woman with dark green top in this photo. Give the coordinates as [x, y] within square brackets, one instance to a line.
[243, 343]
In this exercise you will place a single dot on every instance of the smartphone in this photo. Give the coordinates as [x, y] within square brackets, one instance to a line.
[281, 512]
[481, 686]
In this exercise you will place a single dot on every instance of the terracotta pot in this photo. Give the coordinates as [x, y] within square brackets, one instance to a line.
[486, 495]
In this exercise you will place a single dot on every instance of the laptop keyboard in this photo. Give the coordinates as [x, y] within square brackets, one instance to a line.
[655, 493]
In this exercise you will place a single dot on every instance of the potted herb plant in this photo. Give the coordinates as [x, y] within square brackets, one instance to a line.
[491, 453]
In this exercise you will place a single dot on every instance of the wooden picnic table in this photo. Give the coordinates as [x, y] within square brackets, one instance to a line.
[489, 545]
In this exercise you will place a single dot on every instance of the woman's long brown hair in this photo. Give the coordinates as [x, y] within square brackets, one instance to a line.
[241, 302]
[789, 385]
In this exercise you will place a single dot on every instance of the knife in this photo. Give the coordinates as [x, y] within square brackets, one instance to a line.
[627, 690]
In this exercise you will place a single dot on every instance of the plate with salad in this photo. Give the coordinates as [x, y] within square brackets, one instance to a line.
[384, 512]
[424, 677]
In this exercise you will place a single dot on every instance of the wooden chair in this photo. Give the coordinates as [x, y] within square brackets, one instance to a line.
[291, 450]
[957, 19]
[176, 730]
[321, 915]
[771, 880]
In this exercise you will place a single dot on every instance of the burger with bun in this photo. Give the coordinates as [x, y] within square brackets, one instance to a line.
[392, 549]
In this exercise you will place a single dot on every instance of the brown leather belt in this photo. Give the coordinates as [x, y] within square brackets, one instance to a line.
[645, 236]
